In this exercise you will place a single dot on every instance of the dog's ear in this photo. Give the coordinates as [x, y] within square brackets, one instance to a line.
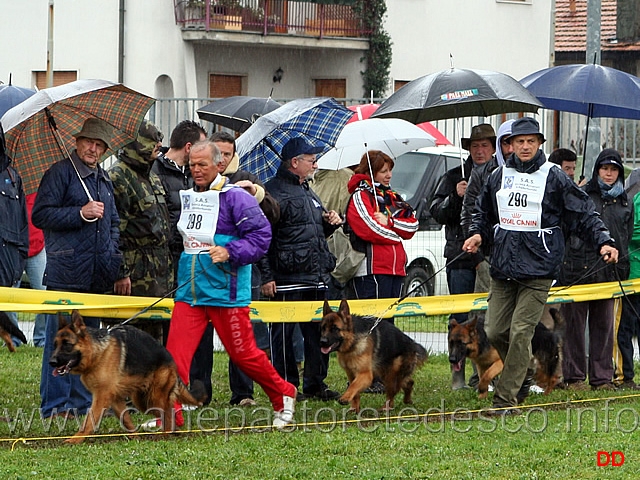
[344, 309]
[62, 321]
[326, 309]
[454, 323]
[77, 321]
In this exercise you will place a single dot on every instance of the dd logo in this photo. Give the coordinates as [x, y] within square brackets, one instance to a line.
[615, 459]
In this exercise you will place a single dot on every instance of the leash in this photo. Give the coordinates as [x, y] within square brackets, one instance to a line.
[166, 295]
[408, 294]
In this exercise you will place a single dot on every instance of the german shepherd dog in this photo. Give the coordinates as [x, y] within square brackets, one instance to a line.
[386, 352]
[8, 328]
[116, 364]
[469, 339]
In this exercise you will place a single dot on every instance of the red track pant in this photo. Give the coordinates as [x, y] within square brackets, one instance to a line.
[236, 334]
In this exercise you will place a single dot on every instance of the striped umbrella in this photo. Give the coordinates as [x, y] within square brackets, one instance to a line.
[319, 120]
[39, 131]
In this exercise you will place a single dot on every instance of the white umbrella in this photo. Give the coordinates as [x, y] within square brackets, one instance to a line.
[392, 136]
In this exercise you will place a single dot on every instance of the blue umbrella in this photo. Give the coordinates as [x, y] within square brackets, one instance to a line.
[10, 96]
[590, 89]
[319, 120]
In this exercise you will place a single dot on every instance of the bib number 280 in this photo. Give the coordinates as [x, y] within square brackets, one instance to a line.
[194, 221]
[517, 199]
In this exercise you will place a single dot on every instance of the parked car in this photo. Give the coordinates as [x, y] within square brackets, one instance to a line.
[415, 177]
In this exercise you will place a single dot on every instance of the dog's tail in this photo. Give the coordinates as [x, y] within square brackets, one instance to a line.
[558, 322]
[421, 355]
[9, 326]
[196, 395]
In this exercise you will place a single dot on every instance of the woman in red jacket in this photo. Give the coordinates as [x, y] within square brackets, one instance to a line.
[381, 219]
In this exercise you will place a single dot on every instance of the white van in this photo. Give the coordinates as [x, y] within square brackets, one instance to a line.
[415, 178]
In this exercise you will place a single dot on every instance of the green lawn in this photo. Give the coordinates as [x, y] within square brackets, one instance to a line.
[557, 437]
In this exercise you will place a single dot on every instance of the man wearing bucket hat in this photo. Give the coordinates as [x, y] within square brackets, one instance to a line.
[446, 208]
[75, 209]
[526, 205]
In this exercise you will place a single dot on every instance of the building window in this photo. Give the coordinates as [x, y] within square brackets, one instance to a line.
[59, 78]
[331, 87]
[223, 86]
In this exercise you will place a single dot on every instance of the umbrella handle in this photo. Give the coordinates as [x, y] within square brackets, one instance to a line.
[372, 180]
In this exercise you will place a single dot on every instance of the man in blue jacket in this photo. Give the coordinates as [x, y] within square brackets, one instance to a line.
[76, 210]
[526, 205]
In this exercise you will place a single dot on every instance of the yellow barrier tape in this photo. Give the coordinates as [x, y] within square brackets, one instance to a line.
[115, 306]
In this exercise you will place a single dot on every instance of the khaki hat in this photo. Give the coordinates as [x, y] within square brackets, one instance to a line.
[96, 129]
[480, 132]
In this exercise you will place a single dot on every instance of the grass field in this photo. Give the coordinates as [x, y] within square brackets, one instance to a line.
[441, 436]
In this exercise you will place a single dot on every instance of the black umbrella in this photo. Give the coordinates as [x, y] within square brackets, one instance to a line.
[456, 93]
[237, 113]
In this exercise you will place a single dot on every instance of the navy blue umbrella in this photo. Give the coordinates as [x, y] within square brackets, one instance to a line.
[591, 90]
[587, 89]
[319, 120]
[10, 96]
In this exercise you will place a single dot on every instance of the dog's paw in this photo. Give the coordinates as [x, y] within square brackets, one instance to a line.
[343, 401]
[74, 440]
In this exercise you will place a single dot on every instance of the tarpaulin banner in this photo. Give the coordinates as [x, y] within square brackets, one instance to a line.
[115, 306]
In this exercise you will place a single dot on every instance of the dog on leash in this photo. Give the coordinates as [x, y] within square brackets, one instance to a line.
[385, 352]
[116, 364]
[469, 340]
[7, 329]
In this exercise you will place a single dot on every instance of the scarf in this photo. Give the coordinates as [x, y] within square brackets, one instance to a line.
[610, 191]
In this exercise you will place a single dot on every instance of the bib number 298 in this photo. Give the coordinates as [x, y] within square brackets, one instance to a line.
[194, 222]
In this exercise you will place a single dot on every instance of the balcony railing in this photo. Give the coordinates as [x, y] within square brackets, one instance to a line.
[271, 17]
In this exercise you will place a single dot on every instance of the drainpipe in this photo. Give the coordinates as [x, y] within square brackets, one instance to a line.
[121, 10]
[49, 77]
[592, 143]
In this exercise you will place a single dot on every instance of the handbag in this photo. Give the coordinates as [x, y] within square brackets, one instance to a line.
[348, 259]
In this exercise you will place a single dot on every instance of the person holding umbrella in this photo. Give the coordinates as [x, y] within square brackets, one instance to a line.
[526, 206]
[75, 208]
[298, 265]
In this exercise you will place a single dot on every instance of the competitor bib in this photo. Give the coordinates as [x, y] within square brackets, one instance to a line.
[198, 219]
[519, 199]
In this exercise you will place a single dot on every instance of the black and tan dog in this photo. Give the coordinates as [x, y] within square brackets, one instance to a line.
[469, 340]
[385, 352]
[7, 328]
[116, 364]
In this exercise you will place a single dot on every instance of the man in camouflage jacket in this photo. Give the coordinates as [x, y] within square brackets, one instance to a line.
[147, 268]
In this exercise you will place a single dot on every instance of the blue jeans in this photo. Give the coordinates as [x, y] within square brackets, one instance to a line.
[60, 394]
[460, 280]
[35, 271]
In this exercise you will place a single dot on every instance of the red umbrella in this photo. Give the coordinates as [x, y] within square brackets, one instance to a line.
[365, 111]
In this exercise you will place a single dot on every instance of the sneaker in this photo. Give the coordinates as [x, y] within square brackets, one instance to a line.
[605, 386]
[578, 386]
[536, 389]
[629, 385]
[157, 422]
[247, 402]
[189, 408]
[284, 417]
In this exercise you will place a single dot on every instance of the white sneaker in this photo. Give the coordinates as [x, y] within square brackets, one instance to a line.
[285, 417]
[153, 423]
[536, 389]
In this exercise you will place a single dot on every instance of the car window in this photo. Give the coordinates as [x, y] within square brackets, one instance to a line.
[409, 172]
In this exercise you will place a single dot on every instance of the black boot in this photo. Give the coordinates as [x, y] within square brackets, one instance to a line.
[523, 393]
